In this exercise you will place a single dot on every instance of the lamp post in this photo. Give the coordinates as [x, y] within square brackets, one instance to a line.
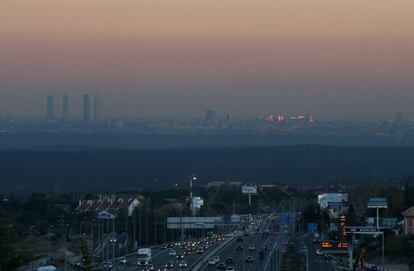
[192, 178]
[64, 251]
[50, 245]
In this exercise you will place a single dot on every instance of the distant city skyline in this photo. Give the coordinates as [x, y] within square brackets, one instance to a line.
[337, 59]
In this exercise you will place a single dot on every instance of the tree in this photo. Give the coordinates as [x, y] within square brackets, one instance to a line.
[85, 254]
[7, 253]
[351, 218]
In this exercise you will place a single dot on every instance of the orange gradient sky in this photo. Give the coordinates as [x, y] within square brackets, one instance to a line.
[179, 57]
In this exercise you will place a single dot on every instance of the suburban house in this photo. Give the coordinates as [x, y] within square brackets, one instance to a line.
[408, 221]
[111, 203]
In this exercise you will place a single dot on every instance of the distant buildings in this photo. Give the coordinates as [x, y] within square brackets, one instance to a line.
[97, 116]
[210, 115]
[86, 115]
[111, 203]
[296, 118]
[65, 107]
[50, 110]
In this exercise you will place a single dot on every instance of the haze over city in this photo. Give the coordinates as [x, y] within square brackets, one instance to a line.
[159, 58]
[205, 135]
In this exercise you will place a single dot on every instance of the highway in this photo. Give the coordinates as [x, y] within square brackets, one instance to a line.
[253, 236]
[160, 257]
[317, 262]
[239, 256]
[238, 250]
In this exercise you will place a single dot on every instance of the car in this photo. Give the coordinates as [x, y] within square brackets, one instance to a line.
[182, 264]
[179, 256]
[229, 268]
[212, 261]
[122, 260]
[148, 267]
[221, 266]
[319, 252]
[249, 259]
[229, 260]
[172, 252]
[200, 251]
[239, 248]
[187, 252]
[162, 268]
[217, 258]
[252, 248]
[169, 264]
[108, 265]
[164, 246]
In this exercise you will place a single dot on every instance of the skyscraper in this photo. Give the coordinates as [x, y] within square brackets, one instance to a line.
[210, 115]
[50, 111]
[86, 108]
[65, 107]
[97, 108]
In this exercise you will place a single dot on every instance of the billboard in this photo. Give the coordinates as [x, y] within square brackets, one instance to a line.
[235, 219]
[332, 198]
[194, 222]
[377, 203]
[249, 189]
[197, 202]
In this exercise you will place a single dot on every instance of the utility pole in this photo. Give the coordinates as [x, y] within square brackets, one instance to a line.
[126, 231]
[50, 245]
[113, 243]
[146, 224]
[140, 227]
[64, 252]
[155, 229]
[135, 239]
[92, 247]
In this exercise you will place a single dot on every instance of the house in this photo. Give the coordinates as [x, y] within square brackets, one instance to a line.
[111, 203]
[408, 221]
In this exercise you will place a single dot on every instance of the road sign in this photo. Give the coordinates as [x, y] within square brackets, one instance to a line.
[249, 189]
[312, 228]
[334, 246]
[380, 203]
[332, 197]
[287, 218]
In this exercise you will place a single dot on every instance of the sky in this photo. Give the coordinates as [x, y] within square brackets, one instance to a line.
[163, 58]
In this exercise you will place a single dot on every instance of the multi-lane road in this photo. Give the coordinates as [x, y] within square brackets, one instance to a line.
[226, 246]
[317, 262]
[239, 250]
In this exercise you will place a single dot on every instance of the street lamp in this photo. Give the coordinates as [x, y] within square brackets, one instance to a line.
[192, 178]
[48, 234]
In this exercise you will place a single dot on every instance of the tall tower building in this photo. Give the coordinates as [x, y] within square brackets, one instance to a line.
[97, 116]
[65, 107]
[86, 108]
[50, 110]
[210, 115]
